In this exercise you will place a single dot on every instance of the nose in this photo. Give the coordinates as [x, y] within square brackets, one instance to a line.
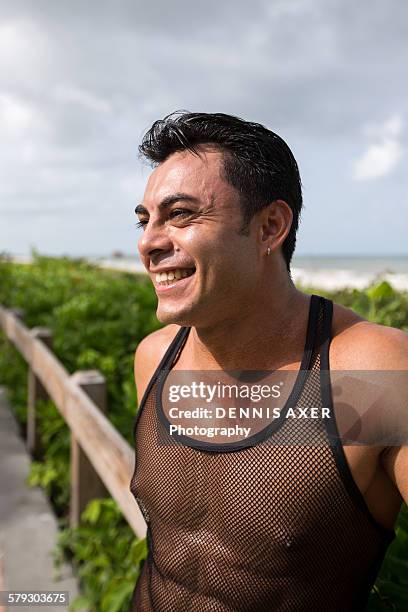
[154, 240]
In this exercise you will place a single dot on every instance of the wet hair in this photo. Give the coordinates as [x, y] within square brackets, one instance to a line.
[257, 162]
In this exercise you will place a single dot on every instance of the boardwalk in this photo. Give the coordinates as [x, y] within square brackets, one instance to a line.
[28, 528]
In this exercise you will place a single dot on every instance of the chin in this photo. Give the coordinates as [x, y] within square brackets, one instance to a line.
[182, 317]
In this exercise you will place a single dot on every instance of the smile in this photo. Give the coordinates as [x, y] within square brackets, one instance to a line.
[170, 277]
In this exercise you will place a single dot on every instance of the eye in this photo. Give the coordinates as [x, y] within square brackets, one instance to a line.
[141, 223]
[179, 212]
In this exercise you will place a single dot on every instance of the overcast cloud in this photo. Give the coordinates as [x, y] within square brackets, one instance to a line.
[81, 81]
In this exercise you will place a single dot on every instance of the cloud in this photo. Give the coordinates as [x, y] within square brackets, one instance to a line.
[75, 95]
[381, 158]
[378, 161]
[15, 115]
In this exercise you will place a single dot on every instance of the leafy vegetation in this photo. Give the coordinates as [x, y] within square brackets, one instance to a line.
[97, 318]
[107, 557]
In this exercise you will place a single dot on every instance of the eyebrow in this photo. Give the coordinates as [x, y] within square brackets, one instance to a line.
[168, 201]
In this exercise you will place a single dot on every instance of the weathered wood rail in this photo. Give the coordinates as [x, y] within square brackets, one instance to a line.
[101, 460]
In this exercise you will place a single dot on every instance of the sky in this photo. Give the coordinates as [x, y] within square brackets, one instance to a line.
[81, 82]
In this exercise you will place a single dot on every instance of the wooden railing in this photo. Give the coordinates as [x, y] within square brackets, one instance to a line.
[101, 460]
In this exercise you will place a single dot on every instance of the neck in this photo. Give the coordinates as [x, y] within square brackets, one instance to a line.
[266, 333]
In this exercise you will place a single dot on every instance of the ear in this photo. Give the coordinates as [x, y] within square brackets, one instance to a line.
[275, 223]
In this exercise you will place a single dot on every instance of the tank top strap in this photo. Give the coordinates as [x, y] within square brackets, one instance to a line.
[174, 350]
[312, 333]
[326, 332]
[319, 327]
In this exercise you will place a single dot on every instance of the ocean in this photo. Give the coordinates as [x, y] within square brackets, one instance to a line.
[359, 272]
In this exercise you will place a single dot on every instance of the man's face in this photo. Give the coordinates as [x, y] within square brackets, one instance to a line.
[191, 219]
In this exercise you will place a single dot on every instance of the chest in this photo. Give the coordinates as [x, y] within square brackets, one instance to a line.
[279, 496]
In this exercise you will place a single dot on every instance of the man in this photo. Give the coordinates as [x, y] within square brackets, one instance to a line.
[264, 522]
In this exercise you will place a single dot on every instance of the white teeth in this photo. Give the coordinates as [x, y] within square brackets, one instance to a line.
[171, 275]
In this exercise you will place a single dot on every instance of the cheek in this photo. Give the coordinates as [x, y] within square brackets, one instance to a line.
[221, 256]
[229, 273]
[208, 246]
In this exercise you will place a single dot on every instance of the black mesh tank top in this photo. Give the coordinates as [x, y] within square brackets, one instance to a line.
[266, 526]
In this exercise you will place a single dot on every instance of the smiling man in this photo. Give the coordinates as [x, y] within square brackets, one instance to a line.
[288, 518]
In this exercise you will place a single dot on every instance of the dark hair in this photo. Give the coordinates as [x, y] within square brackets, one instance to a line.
[257, 162]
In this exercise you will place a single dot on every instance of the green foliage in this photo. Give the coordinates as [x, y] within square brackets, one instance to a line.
[97, 318]
[106, 555]
[391, 591]
[379, 303]
[52, 474]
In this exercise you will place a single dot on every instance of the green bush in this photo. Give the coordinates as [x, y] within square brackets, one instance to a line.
[391, 590]
[51, 474]
[97, 318]
[106, 555]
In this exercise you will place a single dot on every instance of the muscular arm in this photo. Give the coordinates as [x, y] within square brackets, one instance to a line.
[381, 348]
[360, 345]
[395, 462]
[395, 459]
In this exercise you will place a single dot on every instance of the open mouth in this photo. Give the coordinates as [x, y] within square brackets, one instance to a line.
[171, 277]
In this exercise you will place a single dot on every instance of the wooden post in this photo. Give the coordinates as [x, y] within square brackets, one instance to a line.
[85, 482]
[35, 392]
[17, 312]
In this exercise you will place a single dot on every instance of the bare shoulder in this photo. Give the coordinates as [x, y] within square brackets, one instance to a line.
[362, 345]
[149, 353]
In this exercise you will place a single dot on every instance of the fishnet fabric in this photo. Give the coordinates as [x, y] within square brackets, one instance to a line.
[269, 527]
